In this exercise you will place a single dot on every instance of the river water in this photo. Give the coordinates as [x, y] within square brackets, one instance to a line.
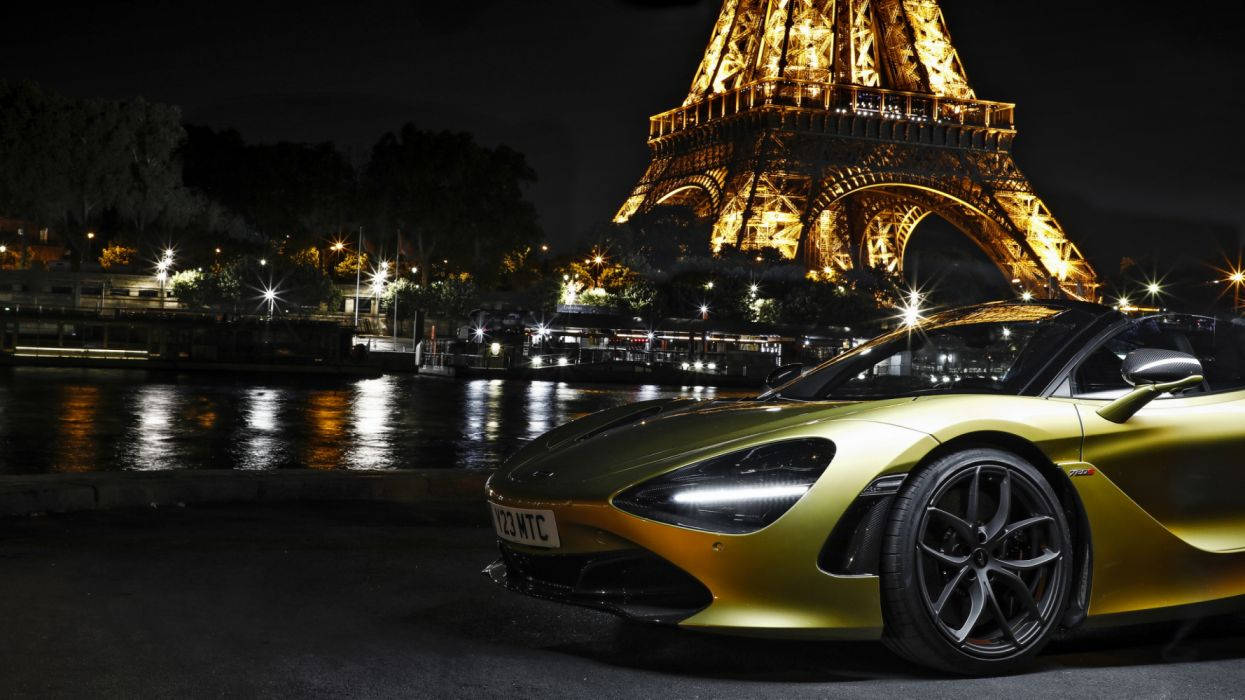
[83, 420]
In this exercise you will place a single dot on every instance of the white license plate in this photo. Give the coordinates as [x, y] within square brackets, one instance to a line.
[536, 528]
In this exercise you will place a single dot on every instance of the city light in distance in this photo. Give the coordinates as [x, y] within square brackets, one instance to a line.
[1027, 296]
[911, 312]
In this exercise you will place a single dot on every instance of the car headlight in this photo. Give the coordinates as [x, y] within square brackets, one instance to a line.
[735, 493]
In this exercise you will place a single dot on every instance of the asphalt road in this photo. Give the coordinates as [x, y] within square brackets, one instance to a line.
[357, 600]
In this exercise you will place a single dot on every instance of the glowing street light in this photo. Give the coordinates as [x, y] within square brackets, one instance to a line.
[754, 289]
[1153, 289]
[704, 312]
[1237, 279]
[1027, 296]
[911, 312]
[270, 297]
[263, 262]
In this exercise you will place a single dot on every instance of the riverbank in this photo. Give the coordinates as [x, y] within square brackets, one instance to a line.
[342, 370]
[617, 372]
[455, 490]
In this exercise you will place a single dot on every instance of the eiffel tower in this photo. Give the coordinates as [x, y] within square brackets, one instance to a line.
[828, 129]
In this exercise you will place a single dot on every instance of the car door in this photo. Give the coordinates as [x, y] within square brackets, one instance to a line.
[1181, 458]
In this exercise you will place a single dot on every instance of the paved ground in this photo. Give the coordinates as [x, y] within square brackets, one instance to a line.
[364, 601]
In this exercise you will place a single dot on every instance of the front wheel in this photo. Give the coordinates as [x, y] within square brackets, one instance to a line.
[976, 564]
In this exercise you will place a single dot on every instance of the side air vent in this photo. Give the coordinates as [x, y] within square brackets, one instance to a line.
[854, 546]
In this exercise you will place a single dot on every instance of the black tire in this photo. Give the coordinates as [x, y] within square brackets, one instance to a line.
[954, 569]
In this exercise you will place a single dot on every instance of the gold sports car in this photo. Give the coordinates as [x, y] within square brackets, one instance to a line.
[962, 488]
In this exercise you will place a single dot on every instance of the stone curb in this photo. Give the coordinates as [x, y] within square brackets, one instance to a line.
[454, 490]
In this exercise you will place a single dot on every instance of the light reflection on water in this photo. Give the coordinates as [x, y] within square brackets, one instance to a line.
[108, 420]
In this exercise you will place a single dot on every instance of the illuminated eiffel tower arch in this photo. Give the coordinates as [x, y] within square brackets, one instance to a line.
[828, 129]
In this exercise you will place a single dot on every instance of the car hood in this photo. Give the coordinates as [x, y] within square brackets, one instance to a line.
[594, 456]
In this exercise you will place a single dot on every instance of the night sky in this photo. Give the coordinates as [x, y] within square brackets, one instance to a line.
[1130, 121]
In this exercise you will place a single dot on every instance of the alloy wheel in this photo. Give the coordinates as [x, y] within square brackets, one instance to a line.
[989, 560]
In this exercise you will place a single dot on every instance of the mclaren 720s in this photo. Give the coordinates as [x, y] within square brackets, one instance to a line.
[962, 488]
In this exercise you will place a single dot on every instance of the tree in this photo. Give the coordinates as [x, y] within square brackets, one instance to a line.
[351, 265]
[73, 163]
[295, 192]
[451, 298]
[116, 255]
[153, 191]
[451, 198]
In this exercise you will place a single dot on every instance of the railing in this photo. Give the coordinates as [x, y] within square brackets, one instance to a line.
[836, 99]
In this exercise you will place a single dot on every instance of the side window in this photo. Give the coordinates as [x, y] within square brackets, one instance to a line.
[1219, 345]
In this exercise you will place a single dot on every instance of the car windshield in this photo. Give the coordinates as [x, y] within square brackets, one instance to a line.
[997, 348]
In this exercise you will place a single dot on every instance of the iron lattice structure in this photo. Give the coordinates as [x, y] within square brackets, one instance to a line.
[828, 129]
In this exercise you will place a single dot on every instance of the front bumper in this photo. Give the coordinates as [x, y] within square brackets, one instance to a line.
[766, 583]
[632, 583]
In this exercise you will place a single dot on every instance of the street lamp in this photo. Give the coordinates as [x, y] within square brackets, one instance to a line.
[270, 296]
[1236, 279]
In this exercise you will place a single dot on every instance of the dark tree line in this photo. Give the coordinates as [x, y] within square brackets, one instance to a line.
[130, 171]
